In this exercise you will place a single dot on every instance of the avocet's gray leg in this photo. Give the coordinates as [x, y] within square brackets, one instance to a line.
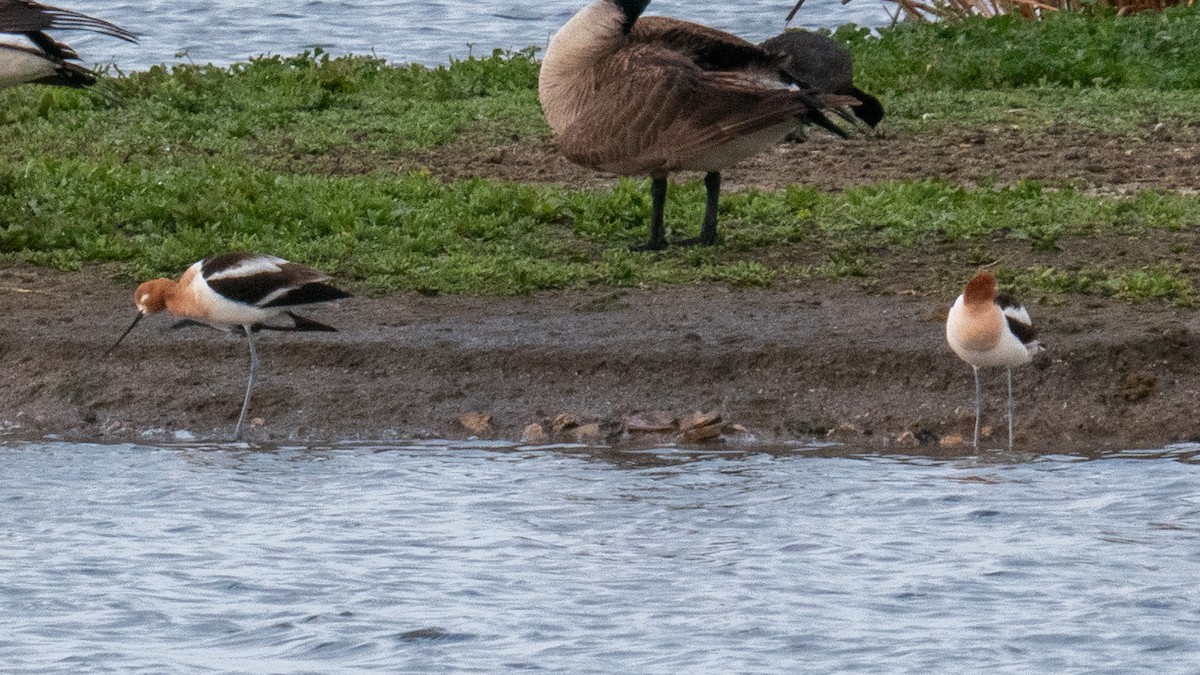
[1010, 410]
[237, 432]
[978, 404]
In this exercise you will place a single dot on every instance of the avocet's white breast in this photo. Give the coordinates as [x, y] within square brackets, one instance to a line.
[18, 65]
[999, 346]
[222, 312]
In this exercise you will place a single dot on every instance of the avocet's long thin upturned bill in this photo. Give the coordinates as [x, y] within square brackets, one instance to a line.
[238, 292]
[988, 329]
[46, 61]
[648, 96]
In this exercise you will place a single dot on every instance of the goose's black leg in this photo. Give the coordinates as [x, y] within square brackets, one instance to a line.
[658, 234]
[708, 231]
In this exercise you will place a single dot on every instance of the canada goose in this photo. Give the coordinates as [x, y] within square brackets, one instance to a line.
[826, 66]
[650, 96]
[47, 61]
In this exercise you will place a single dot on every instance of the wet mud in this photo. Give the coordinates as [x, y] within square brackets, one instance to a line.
[821, 361]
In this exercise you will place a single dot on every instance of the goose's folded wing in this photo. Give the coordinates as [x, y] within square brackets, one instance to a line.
[654, 109]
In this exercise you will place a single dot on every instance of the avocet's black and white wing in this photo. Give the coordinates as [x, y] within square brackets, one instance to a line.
[24, 16]
[1019, 322]
[267, 281]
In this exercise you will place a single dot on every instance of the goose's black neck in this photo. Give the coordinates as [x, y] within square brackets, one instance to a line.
[632, 10]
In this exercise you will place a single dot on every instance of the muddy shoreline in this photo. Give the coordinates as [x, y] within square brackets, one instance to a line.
[818, 361]
[797, 361]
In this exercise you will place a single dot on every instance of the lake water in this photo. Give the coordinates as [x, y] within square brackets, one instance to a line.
[430, 32]
[478, 557]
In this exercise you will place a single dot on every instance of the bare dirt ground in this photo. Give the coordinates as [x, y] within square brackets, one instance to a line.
[1167, 159]
[785, 363]
[817, 360]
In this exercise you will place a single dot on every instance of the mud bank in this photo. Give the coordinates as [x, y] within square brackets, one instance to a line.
[821, 360]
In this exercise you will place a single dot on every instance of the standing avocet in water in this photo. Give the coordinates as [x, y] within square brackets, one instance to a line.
[989, 329]
[238, 291]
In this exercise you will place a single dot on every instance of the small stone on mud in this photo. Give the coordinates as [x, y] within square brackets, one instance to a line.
[845, 429]
[563, 422]
[586, 432]
[701, 433]
[1137, 386]
[650, 422]
[476, 422]
[533, 433]
[257, 422]
[950, 440]
[699, 419]
[738, 433]
[906, 440]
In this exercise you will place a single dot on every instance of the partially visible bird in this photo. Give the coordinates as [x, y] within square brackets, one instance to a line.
[988, 329]
[238, 292]
[47, 61]
[826, 66]
[650, 96]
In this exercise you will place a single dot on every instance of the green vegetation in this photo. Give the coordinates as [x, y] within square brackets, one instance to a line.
[1146, 51]
[414, 232]
[272, 106]
[295, 156]
[1029, 10]
[1154, 282]
[1116, 74]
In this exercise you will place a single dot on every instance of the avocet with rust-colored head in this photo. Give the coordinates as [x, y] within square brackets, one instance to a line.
[238, 292]
[990, 329]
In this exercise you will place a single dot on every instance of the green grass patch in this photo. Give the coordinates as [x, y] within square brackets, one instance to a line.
[174, 164]
[1117, 74]
[306, 104]
[414, 232]
[1150, 282]
[1146, 51]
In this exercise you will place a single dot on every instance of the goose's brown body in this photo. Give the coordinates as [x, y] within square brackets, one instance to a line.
[649, 96]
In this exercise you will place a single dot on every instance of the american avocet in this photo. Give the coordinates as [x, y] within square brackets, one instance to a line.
[988, 329]
[649, 96]
[238, 291]
[48, 63]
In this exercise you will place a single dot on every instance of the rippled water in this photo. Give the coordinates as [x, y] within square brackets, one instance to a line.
[474, 557]
[223, 31]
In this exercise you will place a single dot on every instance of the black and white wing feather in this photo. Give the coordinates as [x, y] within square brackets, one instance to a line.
[25, 16]
[1019, 322]
[267, 281]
